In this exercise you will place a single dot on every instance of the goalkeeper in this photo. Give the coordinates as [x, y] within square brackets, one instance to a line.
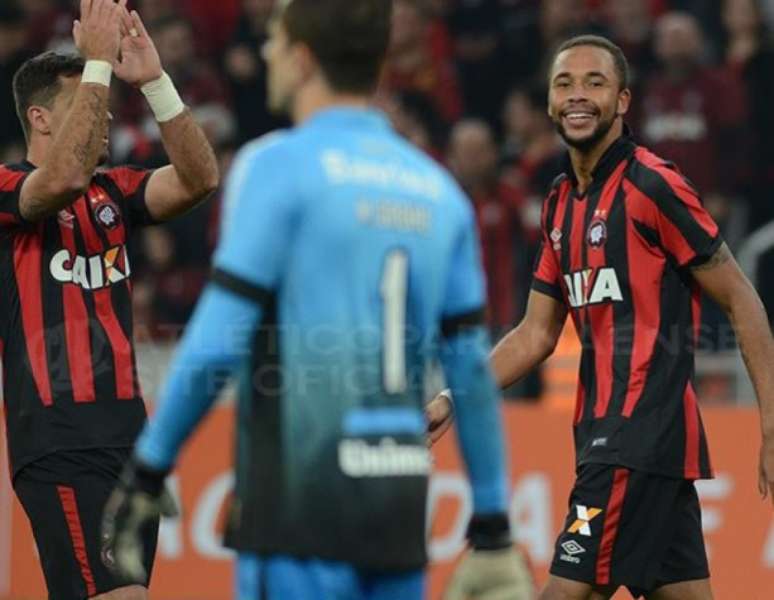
[345, 255]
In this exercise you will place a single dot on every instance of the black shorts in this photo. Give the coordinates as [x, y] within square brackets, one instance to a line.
[633, 529]
[63, 495]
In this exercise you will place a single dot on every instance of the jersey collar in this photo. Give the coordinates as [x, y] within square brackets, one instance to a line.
[347, 116]
[621, 149]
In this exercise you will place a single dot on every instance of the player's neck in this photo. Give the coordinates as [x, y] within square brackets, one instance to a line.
[585, 161]
[36, 151]
[315, 98]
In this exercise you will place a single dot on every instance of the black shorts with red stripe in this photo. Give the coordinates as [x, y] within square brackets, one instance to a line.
[64, 495]
[631, 528]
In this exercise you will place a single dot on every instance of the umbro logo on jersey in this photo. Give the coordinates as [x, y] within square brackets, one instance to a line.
[93, 272]
[593, 286]
[582, 524]
[556, 237]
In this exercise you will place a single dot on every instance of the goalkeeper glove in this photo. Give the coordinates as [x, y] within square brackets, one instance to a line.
[139, 498]
[493, 569]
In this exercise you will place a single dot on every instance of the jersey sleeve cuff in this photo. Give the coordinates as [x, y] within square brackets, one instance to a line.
[702, 257]
[549, 289]
[147, 217]
[241, 287]
[455, 324]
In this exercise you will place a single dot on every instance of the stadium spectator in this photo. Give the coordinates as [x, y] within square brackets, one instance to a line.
[414, 117]
[694, 114]
[415, 64]
[74, 405]
[748, 51]
[473, 159]
[13, 52]
[156, 11]
[245, 69]
[531, 150]
[630, 24]
[532, 29]
[479, 58]
[50, 23]
[199, 81]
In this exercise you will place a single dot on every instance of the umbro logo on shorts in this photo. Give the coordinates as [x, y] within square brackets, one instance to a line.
[572, 547]
[582, 524]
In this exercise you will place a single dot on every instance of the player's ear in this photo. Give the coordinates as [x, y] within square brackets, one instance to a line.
[624, 101]
[306, 64]
[39, 118]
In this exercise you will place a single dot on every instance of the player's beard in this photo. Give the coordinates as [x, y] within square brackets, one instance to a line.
[104, 157]
[586, 143]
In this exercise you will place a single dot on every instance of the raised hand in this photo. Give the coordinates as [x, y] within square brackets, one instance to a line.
[97, 34]
[439, 413]
[139, 62]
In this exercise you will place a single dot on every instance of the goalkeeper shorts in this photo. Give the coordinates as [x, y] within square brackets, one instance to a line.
[284, 577]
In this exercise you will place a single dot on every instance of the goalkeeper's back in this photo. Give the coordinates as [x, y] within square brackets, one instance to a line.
[361, 249]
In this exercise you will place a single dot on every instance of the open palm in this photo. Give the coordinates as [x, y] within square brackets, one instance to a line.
[139, 62]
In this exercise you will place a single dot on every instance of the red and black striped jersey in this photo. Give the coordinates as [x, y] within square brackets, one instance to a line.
[619, 257]
[70, 378]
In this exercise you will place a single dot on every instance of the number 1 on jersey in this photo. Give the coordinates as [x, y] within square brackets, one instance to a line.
[394, 290]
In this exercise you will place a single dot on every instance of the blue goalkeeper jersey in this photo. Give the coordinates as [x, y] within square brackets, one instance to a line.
[361, 254]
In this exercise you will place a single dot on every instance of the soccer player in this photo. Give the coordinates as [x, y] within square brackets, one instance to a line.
[345, 253]
[72, 400]
[627, 249]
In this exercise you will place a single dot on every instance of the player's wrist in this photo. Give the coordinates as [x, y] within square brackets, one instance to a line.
[141, 477]
[97, 71]
[163, 98]
[489, 531]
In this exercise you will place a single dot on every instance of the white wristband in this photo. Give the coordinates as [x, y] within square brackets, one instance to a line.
[163, 98]
[448, 394]
[97, 71]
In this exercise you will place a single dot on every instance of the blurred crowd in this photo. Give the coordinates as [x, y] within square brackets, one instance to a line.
[465, 81]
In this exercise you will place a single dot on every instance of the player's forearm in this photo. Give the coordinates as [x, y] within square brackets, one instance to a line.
[756, 344]
[192, 157]
[216, 340]
[479, 423]
[520, 351]
[69, 165]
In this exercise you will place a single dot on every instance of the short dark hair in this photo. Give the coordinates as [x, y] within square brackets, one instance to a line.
[349, 38]
[38, 82]
[619, 60]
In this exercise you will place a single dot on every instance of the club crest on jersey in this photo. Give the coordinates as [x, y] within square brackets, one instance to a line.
[593, 286]
[597, 233]
[92, 272]
[107, 215]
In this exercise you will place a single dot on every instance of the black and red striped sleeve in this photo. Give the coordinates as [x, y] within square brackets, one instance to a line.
[674, 210]
[547, 273]
[10, 192]
[131, 183]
